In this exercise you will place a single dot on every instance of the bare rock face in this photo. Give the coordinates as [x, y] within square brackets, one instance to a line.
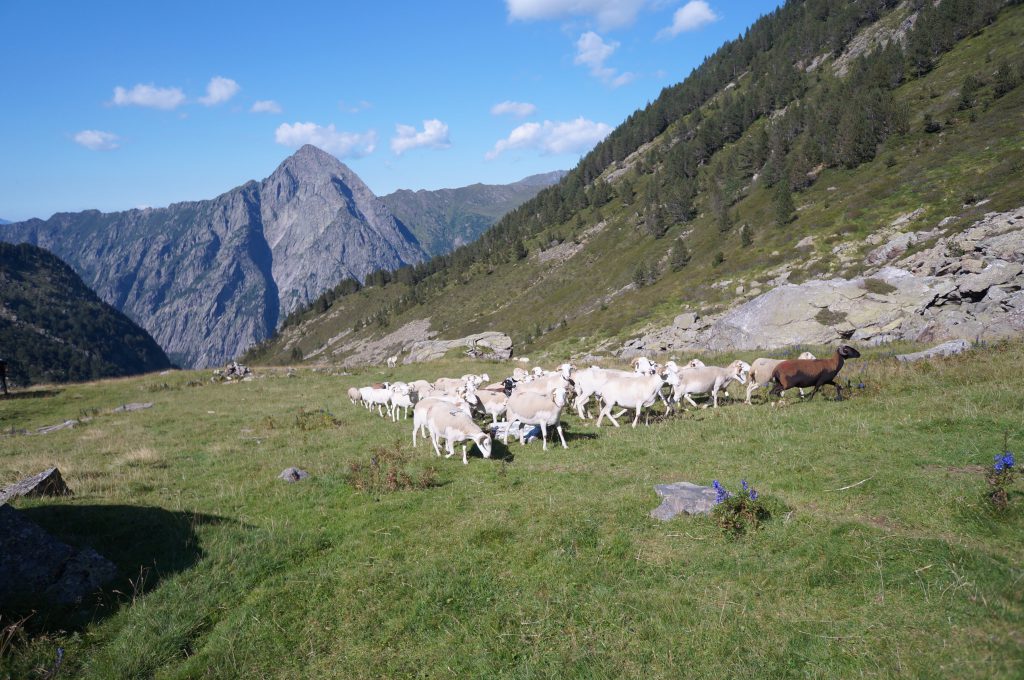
[208, 279]
[965, 287]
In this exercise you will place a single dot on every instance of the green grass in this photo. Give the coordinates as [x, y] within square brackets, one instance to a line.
[533, 564]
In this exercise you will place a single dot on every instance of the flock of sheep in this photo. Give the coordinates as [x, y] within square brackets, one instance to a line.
[444, 409]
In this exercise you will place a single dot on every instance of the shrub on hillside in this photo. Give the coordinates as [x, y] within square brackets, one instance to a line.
[387, 472]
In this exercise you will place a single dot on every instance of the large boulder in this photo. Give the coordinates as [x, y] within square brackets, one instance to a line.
[37, 569]
[488, 345]
[47, 483]
[824, 312]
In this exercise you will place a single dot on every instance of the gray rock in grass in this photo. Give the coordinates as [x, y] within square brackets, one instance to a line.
[683, 497]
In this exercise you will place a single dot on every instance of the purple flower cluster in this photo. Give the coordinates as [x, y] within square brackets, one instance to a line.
[1004, 462]
[721, 494]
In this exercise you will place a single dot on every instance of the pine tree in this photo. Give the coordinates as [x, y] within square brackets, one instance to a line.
[679, 257]
[783, 202]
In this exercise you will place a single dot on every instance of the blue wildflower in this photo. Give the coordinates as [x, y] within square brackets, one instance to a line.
[744, 484]
[998, 467]
[753, 494]
[720, 493]
[1008, 459]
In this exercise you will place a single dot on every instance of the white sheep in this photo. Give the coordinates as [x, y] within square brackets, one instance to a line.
[709, 379]
[645, 366]
[402, 397]
[354, 395]
[631, 391]
[545, 383]
[761, 373]
[587, 383]
[392, 361]
[492, 400]
[520, 374]
[376, 396]
[422, 407]
[454, 426]
[531, 408]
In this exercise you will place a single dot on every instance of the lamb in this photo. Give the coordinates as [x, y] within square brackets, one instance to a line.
[530, 408]
[812, 372]
[392, 361]
[354, 396]
[761, 373]
[631, 392]
[455, 426]
[709, 379]
[402, 397]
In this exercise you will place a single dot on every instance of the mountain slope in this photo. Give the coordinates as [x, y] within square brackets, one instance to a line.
[54, 329]
[445, 219]
[209, 278]
[718, 206]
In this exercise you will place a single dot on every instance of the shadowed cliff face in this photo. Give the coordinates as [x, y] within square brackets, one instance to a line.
[209, 278]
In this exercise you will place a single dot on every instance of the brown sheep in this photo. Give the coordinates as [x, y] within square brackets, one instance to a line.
[811, 372]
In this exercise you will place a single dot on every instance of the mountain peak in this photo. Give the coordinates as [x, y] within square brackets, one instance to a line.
[311, 161]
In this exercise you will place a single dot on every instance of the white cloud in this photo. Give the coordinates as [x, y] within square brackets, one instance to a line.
[219, 90]
[149, 95]
[361, 105]
[265, 106]
[592, 51]
[434, 135]
[341, 144]
[551, 137]
[608, 13]
[97, 140]
[517, 109]
[691, 16]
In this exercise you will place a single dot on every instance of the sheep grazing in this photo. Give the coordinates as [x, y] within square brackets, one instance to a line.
[709, 379]
[761, 373]
[531, 408]
[454, 426]
[354, 396]
[392, 361]
[631, 391]
[812, 372]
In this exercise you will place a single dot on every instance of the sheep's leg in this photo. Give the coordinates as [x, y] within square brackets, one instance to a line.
[637, 418]
[433, 440]
[619, 414]
[450, 447]
[465, 461]
[751, 386]
[561, 436]
[801, 392]
[714, 397]
[686, 396]
[544, 435]
[815, 391]
[839, 391]
[414, 428]
[607, 411]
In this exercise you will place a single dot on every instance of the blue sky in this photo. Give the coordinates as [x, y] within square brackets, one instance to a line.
[117, 105]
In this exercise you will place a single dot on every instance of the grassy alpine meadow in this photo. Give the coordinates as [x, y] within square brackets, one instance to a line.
[883, 557]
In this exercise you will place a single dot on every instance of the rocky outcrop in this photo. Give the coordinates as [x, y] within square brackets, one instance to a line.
[967, 286]
[47, 483]
[210, 278]
[488, 345]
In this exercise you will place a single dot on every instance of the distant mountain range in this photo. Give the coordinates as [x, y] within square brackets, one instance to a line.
[2, 221]
[445, 219]
[208, 279]
[53, 328]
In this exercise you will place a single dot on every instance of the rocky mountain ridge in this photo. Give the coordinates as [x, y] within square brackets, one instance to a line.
[445, 219]
[210, 278]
